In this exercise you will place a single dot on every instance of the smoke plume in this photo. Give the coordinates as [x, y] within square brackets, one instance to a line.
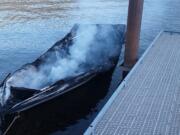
[88, 52]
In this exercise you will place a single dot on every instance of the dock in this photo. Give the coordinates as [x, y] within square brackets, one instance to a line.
[148, 100]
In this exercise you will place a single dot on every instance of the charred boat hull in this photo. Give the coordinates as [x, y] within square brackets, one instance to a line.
[26, 100]
[33, 97]
[62, 111]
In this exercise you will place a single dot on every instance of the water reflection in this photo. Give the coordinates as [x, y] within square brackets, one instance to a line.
[65, 10]
[29, 28]
[159, 15]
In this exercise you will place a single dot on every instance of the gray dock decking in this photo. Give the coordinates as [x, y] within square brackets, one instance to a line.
[148, 101]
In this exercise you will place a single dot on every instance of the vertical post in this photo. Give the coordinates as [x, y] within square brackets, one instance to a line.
[133, 32]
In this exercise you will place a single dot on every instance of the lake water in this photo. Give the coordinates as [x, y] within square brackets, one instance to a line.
[29, 28]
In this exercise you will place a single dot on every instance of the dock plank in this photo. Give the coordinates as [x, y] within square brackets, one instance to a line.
[148, 100]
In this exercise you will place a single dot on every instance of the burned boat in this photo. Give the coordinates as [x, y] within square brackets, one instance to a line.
[83, 54]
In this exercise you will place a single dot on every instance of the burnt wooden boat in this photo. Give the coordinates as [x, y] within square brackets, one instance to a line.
[22, 98]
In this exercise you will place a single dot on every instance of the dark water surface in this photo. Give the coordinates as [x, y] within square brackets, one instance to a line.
[29, 28]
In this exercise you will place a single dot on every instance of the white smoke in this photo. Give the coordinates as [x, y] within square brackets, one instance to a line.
[29, 77]
[78, 54]
[86, 50]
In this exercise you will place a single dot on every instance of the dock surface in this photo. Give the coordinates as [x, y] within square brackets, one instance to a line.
[148, 100]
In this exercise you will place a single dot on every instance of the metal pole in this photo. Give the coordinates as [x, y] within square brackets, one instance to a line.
[133, 32]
